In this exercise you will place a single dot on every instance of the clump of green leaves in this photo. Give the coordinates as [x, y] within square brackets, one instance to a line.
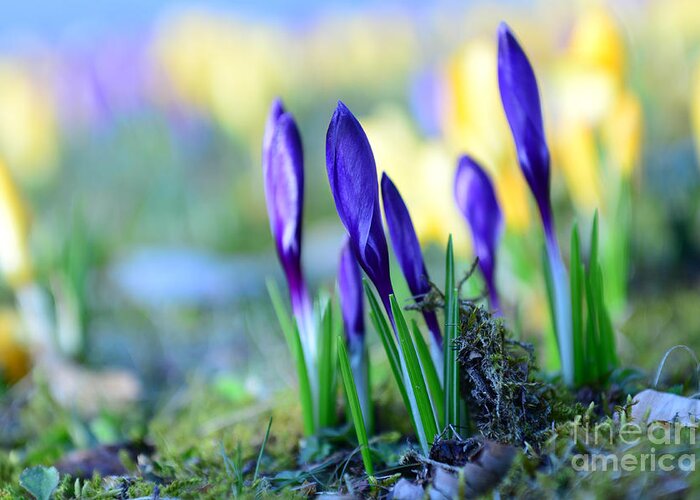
[595, 354]
[317, 377]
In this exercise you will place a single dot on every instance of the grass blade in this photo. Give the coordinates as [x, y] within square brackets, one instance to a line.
[437, 395]
[606, 355]
[285, 320]
[592, 334]
[354, 403]
[326, 368]
[307, 408]
[386, 335]
[291, 334]
[576, 279]
[262, 450]
[426, 423]
[552, 342]
[451, 376]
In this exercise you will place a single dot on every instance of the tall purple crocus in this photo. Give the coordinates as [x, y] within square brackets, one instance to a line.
[352, 174]
[521, 102]
[351, 295]
[476, 200]
[283, 173]
[408, 252]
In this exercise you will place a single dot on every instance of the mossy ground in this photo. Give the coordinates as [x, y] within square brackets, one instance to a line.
[206, 439]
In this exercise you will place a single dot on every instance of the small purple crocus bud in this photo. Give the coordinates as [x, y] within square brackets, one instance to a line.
[352, 174]
[476, 200]
[351, 296]
[521, 103]
[283, 175]
[407, 249]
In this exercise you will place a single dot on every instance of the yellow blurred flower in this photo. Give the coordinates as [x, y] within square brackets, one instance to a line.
[475, 124]
[28, 128]
[341, 52]
[15, 262]
[221, 67]
[596, 44]
[597, 116]
[578, 158]
[422, 171]
[623, 132]
[14, 358]
[695, 109]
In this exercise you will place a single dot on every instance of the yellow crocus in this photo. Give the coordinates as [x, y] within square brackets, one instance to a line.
[15, 361]
[221, 67]
[14, 233]
[695, 110]
[623, 132]
[596, 43]
[594, 104]
[28, 124]
[475, 124]
[577, 155]
[423, 171]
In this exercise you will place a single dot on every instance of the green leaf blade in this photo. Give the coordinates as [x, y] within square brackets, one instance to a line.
[426, 422]
[355, 408]
[451, 375]
[431, 375]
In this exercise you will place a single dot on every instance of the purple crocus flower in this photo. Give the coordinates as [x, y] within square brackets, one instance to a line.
[407, 250]
[476, 200]
[521, 102]
[283, 173]
[352, 174]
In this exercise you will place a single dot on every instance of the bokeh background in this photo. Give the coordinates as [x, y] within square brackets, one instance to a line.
[130, 138]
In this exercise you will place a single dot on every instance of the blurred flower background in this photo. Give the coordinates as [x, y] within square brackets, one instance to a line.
[132, 210]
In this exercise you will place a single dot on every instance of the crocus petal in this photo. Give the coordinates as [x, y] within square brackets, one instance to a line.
[351, 295]
[352, 174]
[407, 249]
[283, 174]
[476, 199]
[276, 110]
[521, 102]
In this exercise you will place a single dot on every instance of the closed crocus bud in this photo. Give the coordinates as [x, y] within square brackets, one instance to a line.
[476, 199]
[283, 172]
[521, 103]
[352, 174]
[407, 249]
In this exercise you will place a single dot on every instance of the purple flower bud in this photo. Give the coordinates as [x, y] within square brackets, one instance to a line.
[351, 296]
[521, 102]
[476, 200]
[407, 249]
[352, 174]
[283, 175]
